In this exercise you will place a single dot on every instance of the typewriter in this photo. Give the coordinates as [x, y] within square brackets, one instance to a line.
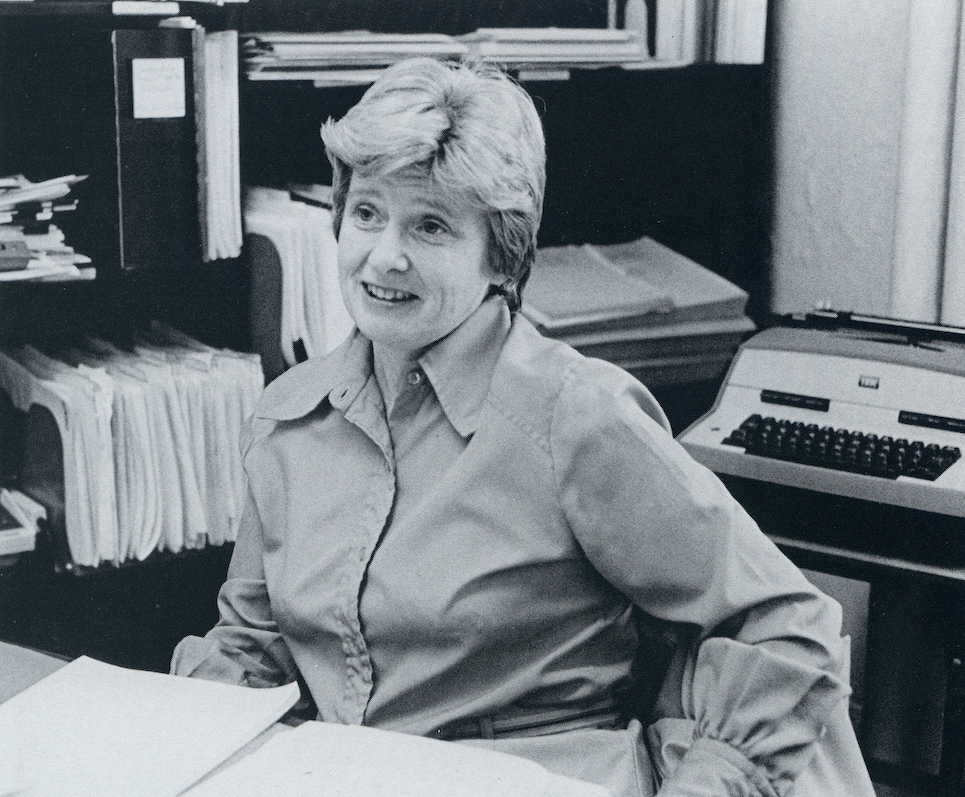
[848, 429]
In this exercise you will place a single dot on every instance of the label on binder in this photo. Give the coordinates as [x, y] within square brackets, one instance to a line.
[158, 86]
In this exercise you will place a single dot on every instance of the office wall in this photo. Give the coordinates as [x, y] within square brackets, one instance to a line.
[839, 75]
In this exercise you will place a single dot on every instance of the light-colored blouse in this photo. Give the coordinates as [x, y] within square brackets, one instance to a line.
[477, 556]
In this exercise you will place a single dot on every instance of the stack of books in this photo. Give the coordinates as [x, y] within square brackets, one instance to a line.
[31, 246]
[641, 305]
[341, 58]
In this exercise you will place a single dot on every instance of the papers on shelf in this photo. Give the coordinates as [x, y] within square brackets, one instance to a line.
[357, 57]
[95, 730]
[349, 47]
[560, 46]
[588, 288]
[325, 758]
[144, 7]
[39, 271]
[577, 287]
[25, 212]
[312, 310]
[310, 56]
[640, 305]
[18, 190]
[217, 125]
[149, 437]
[19, 516]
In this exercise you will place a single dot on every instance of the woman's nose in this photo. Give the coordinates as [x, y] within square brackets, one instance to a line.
[388, 251]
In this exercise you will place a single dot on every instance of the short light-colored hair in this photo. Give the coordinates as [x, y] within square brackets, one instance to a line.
[471, 129]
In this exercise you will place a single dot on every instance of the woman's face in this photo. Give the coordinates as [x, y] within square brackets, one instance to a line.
[413, 260]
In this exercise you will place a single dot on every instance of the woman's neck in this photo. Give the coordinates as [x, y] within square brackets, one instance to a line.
[391, 368]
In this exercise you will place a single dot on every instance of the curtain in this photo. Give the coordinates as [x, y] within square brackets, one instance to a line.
[928, 275]
[869, 158]
[711, 31]
[952, 310]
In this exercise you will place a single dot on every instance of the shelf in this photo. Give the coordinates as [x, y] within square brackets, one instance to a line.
[32, 8]
[365, 75]
[87, 9]
[98, 11]
[28, 309]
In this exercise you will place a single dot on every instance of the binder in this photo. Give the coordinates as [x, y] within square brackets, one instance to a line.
[156, 149]
[68, 93]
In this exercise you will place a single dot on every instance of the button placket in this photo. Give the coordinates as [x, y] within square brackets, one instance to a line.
[379, 498]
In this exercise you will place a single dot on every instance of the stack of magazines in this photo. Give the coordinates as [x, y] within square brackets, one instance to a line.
[32, 247]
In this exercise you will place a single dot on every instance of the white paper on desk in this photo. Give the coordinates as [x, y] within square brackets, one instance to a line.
[323, 758]
[95, 730]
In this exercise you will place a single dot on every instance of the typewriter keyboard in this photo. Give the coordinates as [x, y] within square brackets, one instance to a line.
[828, 447]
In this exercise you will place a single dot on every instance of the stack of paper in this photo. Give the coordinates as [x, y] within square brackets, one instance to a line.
[722, 32]
[564, 47]
[19, 515]
[31, 247]
[640, 305]
[95, 730]
[740, 31]
[313, 314]
[577, 288]
[90, 729]
[327, 759]
[149, 436]
[341, 58]
[216, 117]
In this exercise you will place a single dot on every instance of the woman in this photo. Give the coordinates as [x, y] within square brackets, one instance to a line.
[454, 526]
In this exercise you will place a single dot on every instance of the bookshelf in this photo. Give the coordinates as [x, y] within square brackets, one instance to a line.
[65, 86]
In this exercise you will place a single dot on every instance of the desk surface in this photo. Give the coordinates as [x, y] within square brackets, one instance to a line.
[22, 667]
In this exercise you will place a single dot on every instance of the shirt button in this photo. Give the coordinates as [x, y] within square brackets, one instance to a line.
[414, 377]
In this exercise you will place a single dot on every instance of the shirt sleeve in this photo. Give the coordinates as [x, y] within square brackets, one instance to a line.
[768, 662]
[246, 646]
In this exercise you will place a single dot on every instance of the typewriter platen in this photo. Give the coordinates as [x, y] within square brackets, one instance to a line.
[868, 410]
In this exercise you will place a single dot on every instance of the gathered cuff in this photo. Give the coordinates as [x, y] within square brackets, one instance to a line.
[711, 767]
[207, 658]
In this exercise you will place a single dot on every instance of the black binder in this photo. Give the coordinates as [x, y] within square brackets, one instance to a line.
[68, 97]
[157, 161]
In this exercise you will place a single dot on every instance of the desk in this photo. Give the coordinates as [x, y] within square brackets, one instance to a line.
[950, 584]
[21, 667]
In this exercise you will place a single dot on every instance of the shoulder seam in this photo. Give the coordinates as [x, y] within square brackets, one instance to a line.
[565, 382]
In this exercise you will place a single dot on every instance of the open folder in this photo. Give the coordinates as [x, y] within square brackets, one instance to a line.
[91, 729]
[330, 760]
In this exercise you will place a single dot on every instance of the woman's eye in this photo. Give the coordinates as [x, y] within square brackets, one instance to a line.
[364, 214]
[433, 227]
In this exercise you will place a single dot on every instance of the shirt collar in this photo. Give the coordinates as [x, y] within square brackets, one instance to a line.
[339, 377]
[459, 368]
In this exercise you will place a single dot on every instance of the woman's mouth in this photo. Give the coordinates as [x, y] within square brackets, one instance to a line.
[387, 294]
